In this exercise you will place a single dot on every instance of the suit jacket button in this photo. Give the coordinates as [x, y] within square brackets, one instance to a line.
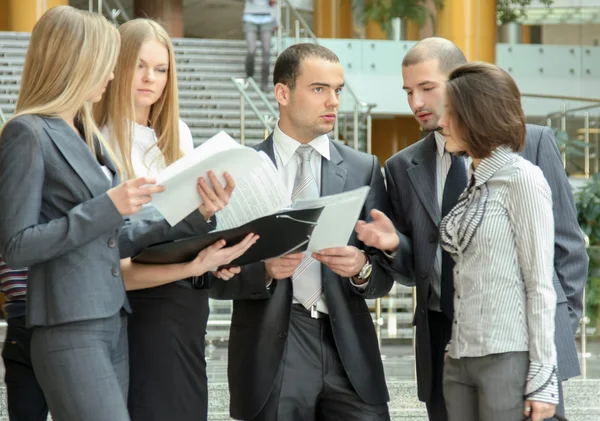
[424, 274]
[432, 238]
[112, 243]
[115, 271]
[282, 335]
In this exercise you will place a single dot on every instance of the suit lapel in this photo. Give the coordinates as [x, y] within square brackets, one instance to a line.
[333, 175]
[267, 147]
[423, 177]
[78, 155]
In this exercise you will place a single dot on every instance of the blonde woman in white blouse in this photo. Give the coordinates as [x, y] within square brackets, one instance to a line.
[169, 312]
[501, 363]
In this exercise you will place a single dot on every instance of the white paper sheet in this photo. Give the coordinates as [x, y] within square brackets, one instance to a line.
[258, 189]
[338, 219]
[261, 192]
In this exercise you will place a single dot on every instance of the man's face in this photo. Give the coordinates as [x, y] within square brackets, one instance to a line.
[425, 85]
[310, 109]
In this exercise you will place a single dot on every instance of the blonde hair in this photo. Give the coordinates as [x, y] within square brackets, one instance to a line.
[70, 53]
[116, 111]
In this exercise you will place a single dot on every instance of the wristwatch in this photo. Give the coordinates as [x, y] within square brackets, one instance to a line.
[366, 270]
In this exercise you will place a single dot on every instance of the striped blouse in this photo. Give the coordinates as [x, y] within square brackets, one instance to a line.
[13, 284]
[501, 235]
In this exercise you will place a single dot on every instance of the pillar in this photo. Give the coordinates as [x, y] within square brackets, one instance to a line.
[4, 15]
[374, 31]
[393, 134]
[326, 17]
[526, 34]
[346, 19]
[413, 31]
[21, 15]
[470, 24]
[168, 13]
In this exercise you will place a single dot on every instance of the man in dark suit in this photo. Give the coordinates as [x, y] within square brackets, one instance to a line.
[303, 346]
[419, 180]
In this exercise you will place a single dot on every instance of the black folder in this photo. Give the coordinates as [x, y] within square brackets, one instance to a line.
[280, 233]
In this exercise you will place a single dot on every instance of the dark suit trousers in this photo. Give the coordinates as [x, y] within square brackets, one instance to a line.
[440, 331]
[311, 384]
[26, 400]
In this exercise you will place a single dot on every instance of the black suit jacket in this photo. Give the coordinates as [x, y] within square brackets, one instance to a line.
[411, 183]
[261, 316]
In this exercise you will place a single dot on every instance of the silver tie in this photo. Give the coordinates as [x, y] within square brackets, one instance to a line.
[306, 278]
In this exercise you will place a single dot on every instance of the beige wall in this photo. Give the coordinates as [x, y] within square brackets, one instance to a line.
[588, 34]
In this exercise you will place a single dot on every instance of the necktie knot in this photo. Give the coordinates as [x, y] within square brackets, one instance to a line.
[304, 152]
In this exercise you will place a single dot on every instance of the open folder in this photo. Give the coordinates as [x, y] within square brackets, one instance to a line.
[280, 233]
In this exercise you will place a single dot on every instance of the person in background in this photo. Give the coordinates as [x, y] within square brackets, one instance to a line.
[139, 116]
[25, 397]
[258, 20]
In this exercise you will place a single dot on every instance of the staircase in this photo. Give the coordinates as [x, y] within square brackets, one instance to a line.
[209, 101]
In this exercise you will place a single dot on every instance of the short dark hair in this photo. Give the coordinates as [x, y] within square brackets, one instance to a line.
[484, 103]
[448, 55]
[287, 66]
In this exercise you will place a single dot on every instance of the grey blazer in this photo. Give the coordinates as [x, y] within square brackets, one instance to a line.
[56, 218]
[411, 183]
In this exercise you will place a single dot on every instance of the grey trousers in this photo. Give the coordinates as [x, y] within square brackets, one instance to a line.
[83, 369]
[489, 388]
[312, 384]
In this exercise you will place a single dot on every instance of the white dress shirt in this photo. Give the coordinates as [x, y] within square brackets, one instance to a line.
[288, 164]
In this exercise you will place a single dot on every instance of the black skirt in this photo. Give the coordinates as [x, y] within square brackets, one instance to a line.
[166, 354]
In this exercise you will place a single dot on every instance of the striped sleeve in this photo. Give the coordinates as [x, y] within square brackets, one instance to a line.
[530, 212]
[13, 282]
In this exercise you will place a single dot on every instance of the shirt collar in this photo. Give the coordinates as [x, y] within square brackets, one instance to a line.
[498, 159]
[286, 146]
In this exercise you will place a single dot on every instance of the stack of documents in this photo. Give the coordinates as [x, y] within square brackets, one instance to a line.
[260, 204]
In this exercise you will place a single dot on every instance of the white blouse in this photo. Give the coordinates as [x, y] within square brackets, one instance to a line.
[146, 157]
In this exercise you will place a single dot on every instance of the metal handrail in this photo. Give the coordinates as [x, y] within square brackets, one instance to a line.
[241, 85]
[586, 133]
[112, 12]
[252, 83]
[359, 106]
[563, 97]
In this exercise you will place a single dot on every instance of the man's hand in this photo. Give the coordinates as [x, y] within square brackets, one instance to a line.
[539, 411]
[283, 267]
[380, 233]
[345, 261]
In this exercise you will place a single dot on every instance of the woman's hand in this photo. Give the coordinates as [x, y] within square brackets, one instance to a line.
[539, 411]
[217, 255]
[216, 198]
[130, 196]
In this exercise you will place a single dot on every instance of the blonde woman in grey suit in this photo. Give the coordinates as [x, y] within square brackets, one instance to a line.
[62, 216]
